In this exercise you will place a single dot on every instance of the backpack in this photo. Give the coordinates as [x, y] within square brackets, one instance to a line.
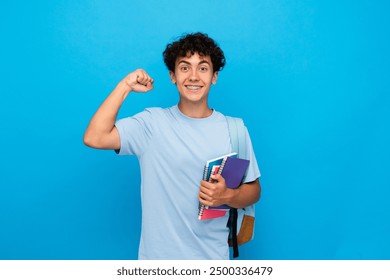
[241, 222]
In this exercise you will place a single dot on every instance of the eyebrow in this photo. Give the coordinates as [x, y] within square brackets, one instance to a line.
[186, 62]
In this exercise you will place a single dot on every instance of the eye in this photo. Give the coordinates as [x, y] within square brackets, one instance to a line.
[203, 69]
[184, 68]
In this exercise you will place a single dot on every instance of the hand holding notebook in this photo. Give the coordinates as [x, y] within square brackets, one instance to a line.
[233, 170]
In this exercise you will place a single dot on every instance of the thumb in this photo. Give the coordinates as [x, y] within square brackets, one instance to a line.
[149, 85]
[143, 87]
[217, 177]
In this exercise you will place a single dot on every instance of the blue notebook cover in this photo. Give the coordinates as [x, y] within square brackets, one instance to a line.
[216, 161]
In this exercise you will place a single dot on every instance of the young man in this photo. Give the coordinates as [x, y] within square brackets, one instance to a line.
[172, 146]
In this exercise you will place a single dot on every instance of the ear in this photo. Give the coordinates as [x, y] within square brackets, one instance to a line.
[215, 76]
[173, 77]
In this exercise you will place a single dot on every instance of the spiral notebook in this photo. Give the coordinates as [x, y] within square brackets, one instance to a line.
[233, 170]
[215, 162]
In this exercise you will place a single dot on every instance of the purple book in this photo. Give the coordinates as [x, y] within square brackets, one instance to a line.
[233, 171]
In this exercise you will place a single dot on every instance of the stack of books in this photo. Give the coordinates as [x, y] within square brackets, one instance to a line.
[233, 170]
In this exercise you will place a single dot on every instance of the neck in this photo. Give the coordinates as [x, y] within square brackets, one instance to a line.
[195, 110]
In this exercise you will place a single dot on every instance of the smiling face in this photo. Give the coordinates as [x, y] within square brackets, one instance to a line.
[193, 77]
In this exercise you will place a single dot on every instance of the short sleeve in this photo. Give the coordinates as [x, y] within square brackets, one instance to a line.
[253, 171]
[135, 133]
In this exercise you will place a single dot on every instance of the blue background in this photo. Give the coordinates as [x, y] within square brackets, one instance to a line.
[310, 79]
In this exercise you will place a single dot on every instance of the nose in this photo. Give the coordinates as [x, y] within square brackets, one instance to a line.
[194, 75]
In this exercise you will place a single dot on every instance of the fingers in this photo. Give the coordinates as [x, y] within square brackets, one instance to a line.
[143, 78]
[218, 178]
[213, 194]
[205, 199]
[207, 191]
[210, 200]
[217, 184]
[139, 81]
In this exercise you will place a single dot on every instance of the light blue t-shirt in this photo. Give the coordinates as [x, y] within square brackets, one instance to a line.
[172, 150]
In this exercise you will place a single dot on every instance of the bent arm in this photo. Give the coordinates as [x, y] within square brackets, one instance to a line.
[216, 193]
[245, 195]
[101, 132]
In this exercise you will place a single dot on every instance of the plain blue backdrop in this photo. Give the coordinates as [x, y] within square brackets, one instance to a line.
[311, 79]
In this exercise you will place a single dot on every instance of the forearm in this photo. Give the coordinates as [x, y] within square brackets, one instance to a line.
[101, 132]
[103, 121]
[245, 195]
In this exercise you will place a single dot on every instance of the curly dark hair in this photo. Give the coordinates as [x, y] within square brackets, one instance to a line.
[194, 43]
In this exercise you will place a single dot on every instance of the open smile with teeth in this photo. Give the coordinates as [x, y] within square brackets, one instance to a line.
[193, 87]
